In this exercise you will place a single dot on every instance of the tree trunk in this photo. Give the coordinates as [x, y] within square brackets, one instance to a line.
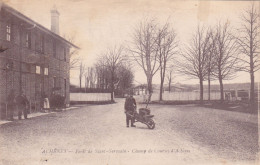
[221, 89]
[201, 91]
[112, 87]
[80, 83]
[163, 68]
[170, 85]
[161, 91]
[112, 95]
[85, 86]
[252, 91]
[252, 66]
[161, 85]
[112, 92]
[150, 87]
[209, 87]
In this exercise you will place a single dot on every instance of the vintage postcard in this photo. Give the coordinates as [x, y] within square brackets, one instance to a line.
[129, 82]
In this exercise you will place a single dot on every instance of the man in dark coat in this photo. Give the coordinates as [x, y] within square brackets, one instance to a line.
[21, 103]
[11, 105]
[130, 107]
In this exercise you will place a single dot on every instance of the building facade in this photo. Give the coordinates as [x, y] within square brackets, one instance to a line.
[35, 59]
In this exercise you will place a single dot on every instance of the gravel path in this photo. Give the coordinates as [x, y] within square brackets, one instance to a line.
[96, 134]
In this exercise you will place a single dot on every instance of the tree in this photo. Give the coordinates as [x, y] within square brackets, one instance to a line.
[82, 70]
[144, 51]
[73, 54]
[102, 73]
[113, 59]
[90, 77]
[249, 46]
[195, 59]
[226, 58]
[166, 44]
[211, 58]
[126, 78]
[169, 76]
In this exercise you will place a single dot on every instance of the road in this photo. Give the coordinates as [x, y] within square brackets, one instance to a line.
[97, 134]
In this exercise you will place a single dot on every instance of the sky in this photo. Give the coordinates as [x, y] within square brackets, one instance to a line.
[99, 24]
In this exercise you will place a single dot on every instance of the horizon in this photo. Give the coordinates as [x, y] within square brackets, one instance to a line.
[204, 84]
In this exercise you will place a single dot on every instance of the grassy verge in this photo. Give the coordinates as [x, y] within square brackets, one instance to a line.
[236, 106]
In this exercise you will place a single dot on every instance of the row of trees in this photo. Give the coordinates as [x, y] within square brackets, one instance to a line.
[216, 52]
[219, 52]
[153, 47]
[213, 53]
[111, 71]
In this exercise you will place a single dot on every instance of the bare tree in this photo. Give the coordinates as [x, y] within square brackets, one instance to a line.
[166, 45]
[82, 70]
[249, 43]
[101, 71]
[73, 54]
[74, 59]
[211, 59]
[113, 59]
[226, 55]
[195, 59]
[87, 82]
[169, 76]
[144, 50]
[90, 77]
[126, 78]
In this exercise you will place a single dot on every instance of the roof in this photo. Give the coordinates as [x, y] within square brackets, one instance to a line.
[35, 24]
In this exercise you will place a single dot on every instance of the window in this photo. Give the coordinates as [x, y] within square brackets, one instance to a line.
[46, 71]
[38, 69]
[8, 32]
[39, 43]
[64, 54]
[55, 83]
[28, 39]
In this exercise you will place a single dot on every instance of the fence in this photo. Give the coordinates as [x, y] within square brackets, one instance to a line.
[186, 96]
[195, 95]
[90, 97]
[181, 96]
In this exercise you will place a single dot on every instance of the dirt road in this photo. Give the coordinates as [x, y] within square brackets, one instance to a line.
[97, 134]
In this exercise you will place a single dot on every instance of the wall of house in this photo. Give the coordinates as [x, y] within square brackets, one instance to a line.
[25, 59]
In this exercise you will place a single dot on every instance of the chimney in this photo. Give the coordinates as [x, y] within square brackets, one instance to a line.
[55, 20]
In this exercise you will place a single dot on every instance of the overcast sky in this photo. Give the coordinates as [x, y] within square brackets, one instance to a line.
[98, 24]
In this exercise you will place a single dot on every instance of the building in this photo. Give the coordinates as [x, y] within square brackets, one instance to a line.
[33, 59]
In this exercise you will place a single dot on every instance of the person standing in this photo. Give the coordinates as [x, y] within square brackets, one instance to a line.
[22, 103]
[11, 105]
[46, 103]
[130, 106]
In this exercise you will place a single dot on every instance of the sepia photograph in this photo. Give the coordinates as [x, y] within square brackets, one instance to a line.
[129, 82]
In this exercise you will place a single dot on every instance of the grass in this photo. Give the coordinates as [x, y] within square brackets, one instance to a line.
[236, 106]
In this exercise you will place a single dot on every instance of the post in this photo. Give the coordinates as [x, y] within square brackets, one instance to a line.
[6, 90]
